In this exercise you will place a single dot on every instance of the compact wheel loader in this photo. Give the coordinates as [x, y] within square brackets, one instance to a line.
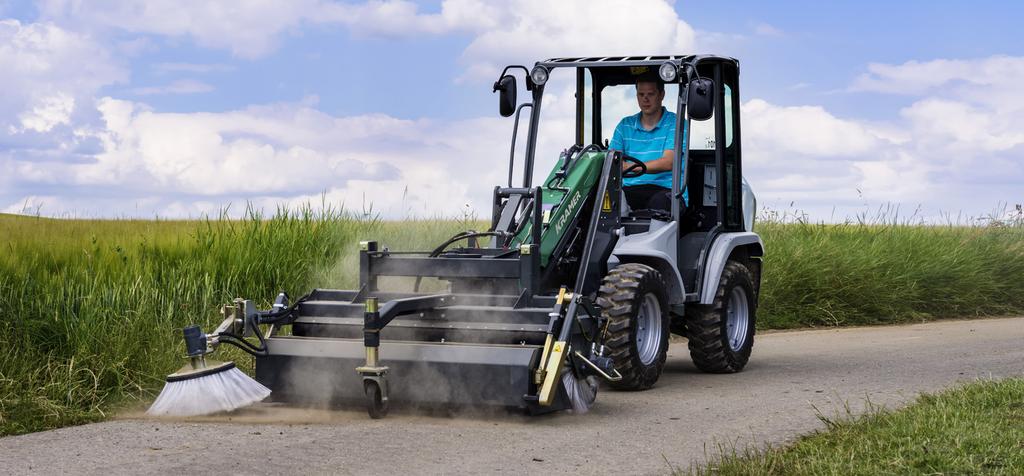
[568, 286]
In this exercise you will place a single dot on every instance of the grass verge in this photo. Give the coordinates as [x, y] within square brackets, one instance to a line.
[977, 428]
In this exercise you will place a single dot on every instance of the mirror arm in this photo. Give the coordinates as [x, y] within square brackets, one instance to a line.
[526, 72]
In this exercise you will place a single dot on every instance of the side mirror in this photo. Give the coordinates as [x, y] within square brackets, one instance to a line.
[506, 86]
[700, 99]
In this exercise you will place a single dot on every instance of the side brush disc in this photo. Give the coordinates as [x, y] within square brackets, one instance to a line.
[188, 373]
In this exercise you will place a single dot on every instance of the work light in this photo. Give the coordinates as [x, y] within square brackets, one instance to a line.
[667, 71]
[539, 75]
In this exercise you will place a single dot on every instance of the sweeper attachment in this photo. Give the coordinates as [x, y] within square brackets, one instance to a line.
[568, 287]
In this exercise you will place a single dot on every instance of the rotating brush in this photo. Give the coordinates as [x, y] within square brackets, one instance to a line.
[203, 388]
[581, 391]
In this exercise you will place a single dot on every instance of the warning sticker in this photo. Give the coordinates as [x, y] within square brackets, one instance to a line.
[606, 205]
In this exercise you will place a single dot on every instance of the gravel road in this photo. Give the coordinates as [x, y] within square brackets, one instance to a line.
[774, 399]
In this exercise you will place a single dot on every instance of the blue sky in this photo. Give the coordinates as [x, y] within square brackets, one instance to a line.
[148, 108]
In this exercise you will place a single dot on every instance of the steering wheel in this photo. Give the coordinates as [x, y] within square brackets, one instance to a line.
[637, 169]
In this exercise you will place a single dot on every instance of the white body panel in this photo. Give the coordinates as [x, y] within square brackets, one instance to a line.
[656, 248]
[717, 257]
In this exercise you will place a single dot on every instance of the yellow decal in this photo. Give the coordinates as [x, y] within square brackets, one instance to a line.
[639, 70]
[606, 206]
[552, 375]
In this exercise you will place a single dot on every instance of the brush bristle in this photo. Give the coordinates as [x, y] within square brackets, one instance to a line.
[581, 392]
[207, 393]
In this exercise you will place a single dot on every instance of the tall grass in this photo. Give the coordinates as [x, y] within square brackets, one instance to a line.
[91, 311]
[858, 273]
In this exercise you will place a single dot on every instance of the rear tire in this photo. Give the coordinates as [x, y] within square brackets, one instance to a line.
[721, 335]
[634, 302]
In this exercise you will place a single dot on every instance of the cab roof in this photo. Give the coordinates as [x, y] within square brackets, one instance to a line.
[627, 61]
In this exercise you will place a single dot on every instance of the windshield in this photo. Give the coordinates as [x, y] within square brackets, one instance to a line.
[620, 101]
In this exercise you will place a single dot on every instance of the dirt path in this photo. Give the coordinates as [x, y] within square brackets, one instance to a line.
[789, 375]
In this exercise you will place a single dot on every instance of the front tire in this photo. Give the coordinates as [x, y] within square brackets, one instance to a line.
[721, 335]
[634, 302]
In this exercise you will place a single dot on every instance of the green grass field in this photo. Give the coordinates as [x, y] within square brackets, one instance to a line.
[972, 429]
[91, 310]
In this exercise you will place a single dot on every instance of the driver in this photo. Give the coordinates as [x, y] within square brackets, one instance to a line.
[648, 136]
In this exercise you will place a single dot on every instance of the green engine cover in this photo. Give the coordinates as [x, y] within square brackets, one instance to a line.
[560, 207]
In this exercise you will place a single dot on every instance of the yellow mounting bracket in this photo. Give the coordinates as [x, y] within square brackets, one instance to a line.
[552, 373]
[552, 358]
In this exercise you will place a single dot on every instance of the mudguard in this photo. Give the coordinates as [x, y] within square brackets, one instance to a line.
[719, 254]
[657, 249]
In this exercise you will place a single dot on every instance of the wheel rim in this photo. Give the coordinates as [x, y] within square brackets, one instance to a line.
[737, 318]
[648, 331]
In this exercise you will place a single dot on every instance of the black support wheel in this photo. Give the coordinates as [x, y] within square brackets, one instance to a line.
[376, 404]
[634, 301]
[721, 334]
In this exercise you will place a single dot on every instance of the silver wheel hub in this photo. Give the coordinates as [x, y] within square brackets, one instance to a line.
[737, 318]
[648, 329]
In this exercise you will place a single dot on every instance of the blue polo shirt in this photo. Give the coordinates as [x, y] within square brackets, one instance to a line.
[646, 145]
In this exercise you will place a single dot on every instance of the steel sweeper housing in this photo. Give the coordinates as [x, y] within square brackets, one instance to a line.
[567, 287]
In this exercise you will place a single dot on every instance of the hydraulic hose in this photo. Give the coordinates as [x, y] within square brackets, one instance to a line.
[462, 235]
[264, 317]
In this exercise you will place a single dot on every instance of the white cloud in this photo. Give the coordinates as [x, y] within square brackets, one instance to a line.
[248, 28]
[181, 86]
[993, 81]
[46, 113]
[504, 32]
[195, 68]
[537, 29]
[48, 71]
[805, 130]
[280, 153]
[960, 135]
[956, 147]
[961, 127]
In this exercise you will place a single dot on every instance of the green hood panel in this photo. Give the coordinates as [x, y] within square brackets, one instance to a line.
[562, 200]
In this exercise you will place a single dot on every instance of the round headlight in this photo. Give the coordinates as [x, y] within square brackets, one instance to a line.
[539, 75]
[668, 72]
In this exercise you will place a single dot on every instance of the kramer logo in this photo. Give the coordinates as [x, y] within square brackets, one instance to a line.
[566, 212]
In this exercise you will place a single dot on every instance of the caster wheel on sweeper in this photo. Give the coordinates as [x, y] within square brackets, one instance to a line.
[376, 399]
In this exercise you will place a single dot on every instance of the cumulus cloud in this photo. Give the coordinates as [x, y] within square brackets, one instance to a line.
[503, 32]
[956, 147]
[247, 28]
[957, 143]
[47, 72]
[537, 29]
[278, 153]
[47, 113]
